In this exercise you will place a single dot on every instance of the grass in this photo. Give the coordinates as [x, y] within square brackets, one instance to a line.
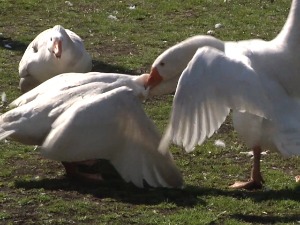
[34, 190]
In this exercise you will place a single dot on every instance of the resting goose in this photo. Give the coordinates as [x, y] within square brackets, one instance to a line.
[52, 52]
[275, 64]
[92, 116]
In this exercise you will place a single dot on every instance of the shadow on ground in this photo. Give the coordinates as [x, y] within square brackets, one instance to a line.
[188, 197]
[13, 45]
[258, 195]
[267, 219]
[99, 66]
[119, 190]
[114, 187]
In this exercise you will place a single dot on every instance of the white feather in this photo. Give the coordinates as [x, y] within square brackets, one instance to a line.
[93, 116]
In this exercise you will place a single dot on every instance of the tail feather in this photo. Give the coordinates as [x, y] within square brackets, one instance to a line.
[165, 142]
[154, 168]
[4, 134]
[167, 174]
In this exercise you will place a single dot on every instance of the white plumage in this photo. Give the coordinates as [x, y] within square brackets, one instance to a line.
[258, 79]
[93, 116]
[208, 88]
[214, 83]
[52, 52]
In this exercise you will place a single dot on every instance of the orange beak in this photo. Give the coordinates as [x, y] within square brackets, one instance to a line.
[57, 50]
[154, 78]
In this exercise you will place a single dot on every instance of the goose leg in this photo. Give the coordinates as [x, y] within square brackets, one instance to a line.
[73, 171]
[256, 179]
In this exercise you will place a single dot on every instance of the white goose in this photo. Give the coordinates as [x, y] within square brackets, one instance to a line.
[92, 116]
[275, 66]
[52, 52]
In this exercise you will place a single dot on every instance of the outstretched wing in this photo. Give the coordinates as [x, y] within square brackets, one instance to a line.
[113, 126]
[209, 87]
[65, 81]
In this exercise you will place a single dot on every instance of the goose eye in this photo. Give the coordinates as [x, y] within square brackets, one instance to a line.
[50, 39]
[162, 63]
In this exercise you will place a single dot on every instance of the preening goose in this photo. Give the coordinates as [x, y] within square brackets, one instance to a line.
[93, 116]
[52, 52]
[275, 63]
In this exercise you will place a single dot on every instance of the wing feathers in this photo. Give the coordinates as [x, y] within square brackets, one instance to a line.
[208, 88]
[120, 132]
[4, 134]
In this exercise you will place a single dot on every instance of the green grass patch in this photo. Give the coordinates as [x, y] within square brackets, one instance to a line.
[34, 190]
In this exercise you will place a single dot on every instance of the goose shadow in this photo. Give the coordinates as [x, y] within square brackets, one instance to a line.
[188, 197]
[116, 188]
[113, 186]
[13, 45]
[119, 190]
[262, 195]
[100, 66]
[265, 219]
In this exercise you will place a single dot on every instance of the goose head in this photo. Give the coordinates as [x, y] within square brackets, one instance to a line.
[56, 39]
[168, 66]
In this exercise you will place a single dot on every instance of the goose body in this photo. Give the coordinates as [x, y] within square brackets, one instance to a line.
[52, 52]
[93, 116]
[220, 83]
[265, 111]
